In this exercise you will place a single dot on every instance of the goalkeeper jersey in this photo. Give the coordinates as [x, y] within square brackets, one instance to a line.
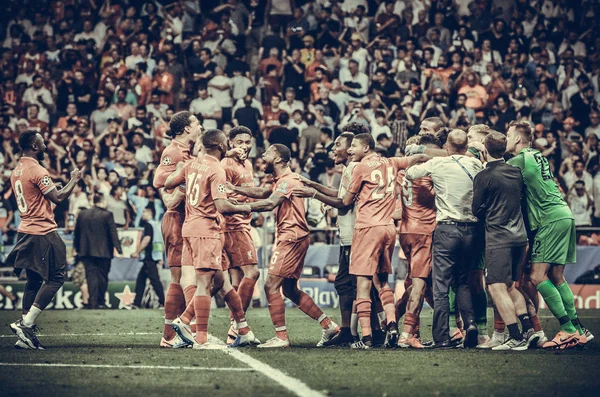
[544, 201]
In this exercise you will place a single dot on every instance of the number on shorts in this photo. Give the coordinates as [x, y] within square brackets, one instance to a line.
[21, 203]
[193, 188]
[274, 257]
[377, 177]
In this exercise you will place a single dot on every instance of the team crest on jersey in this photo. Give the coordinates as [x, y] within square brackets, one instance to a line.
[283, 188]
[167, 160]
[250, 254]
[46, 181]
[221, 188]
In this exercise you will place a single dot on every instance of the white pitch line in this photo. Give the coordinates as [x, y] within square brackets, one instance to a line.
[123, 366]
[92, 334]
[293, 385]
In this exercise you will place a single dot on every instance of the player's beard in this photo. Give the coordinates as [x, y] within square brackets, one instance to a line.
[269, 168]
[40, 156]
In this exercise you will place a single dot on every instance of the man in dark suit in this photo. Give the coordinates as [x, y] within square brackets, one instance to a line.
[95, 241]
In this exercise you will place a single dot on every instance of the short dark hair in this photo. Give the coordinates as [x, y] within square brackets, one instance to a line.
[495, 144]
[98, 198]
[356, 128]
[151, 209]
[439, 124]
[523, 128]
[348, 136]
[367, 139]
[284, 118]
[212, 138]
[239, 130]
[179, 121]
[283, 151]
[26, 139]
[429, 139]
[382, 136]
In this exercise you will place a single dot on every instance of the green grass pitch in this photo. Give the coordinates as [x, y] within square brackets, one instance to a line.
[94, 353]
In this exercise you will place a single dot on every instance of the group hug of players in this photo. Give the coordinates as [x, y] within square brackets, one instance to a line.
[458, 220]
[210, 194]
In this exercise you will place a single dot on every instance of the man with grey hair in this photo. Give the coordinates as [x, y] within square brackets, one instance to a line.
[454, 235]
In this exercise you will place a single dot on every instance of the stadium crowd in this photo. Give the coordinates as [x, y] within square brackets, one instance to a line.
[101, 80]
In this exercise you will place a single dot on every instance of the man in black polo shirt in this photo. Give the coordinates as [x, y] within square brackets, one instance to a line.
[497, 195]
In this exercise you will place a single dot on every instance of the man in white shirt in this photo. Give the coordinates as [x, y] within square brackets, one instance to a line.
[579, 174]
[454, 236]
[87, 34]
[134, 58]
[219, 87]
[208, 107]
[39, 95]
[339, 97]
[354, 83]
[581, 204]
[291, 104]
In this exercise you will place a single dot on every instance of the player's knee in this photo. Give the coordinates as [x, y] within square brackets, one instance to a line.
[251, 272]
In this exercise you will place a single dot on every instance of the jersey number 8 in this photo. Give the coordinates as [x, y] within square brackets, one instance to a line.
[377, 177]
[21, 203]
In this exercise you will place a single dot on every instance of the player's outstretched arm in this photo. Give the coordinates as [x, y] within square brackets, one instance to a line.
[422, 149]
[226, 207]
[417, 159]
[61, 195]
[320, 188]
[252, 192]
[268, 204]
[309, 192]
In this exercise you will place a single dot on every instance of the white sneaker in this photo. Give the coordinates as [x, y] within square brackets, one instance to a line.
[482, 339]
[274, 343]
[232, 334]
[497, 339]
[542, 338]
[183, 330]
[176, 341]
[512, 344]
[245, 340]
[328, 333]
[22, 345]
[531, 337]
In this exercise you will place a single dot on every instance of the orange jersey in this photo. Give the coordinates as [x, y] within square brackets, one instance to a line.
[205, 180]
[291, 214]
[418, 206]
[31, 182]
[373, 183]
[173, 154]
[238, 174]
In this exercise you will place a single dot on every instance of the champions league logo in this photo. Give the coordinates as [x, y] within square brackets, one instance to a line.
[46, 181]
[221, 188]
[167, 160]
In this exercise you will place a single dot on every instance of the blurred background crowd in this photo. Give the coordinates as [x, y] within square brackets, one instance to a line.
[100, 80]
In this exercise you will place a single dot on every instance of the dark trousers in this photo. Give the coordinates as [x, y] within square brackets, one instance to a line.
[96, 275]
[149, 270]
[345, 283]
[453, 247]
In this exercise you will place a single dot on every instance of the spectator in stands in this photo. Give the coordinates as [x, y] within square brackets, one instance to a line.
[581, 203]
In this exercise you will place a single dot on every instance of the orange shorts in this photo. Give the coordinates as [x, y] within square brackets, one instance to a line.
[172, 223]
[417, 248]
[372, 250]
[239, 249]
[204, 253]
[288, 258]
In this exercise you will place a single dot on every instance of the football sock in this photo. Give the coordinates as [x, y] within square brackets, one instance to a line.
[363, 310]
[354, 321]
[173, 301]
[246, 290]
[309, 307]
[277, 312]
[535, 322]
[499, 325]
[569, 301]
[189, 293]
[235, 306]
[513, 330]
[410, 323]
[202, 310]
[480, 303]
[387, 301]
[401, 305]
[526, 323]
[555, 304]
[189, 313]
[31, 316]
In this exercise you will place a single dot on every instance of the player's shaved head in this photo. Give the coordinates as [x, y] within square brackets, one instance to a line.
[524, 129]
[32, 144]
[457, 141]
[27, 139]
[495, 144]
[283, 151]
[212, 139]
